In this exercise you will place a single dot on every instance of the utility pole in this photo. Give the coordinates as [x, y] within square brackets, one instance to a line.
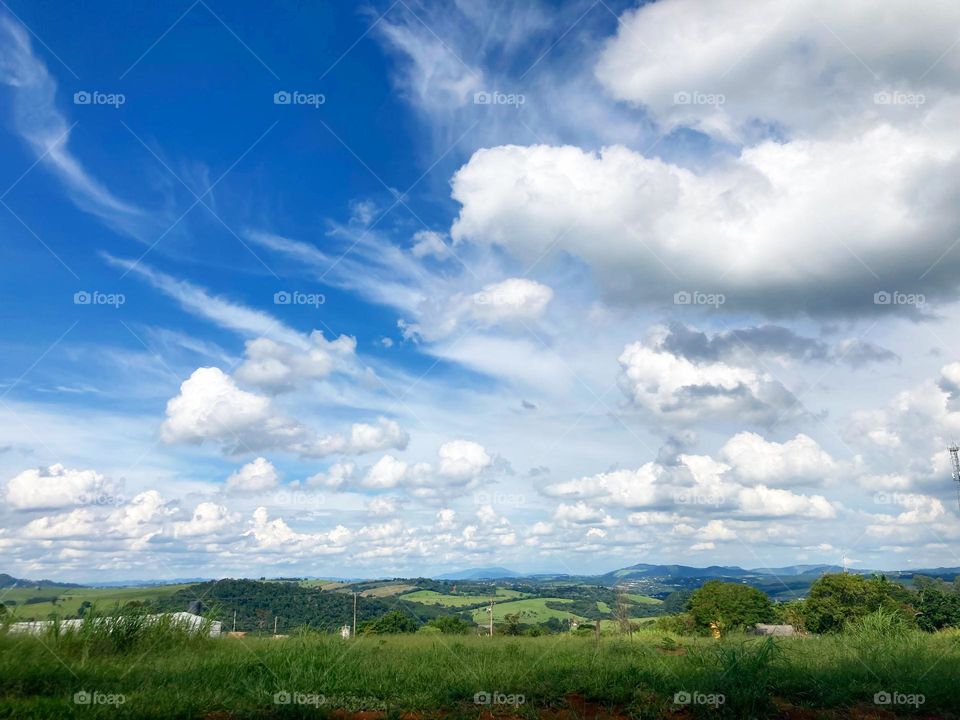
[354, 633]
[491, 617]
[954, 451]
[234, 620]
[275, 625]
[622, 612]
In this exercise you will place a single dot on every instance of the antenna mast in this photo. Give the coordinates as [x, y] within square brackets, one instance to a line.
[955, 462]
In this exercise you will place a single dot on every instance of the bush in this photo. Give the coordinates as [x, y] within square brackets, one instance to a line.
[791, 613]
[881, 624]
[682, 624]
[729, 606]
[450, 625]
[746, 676]
[510, 624]
[937, 608]
[841, 598]
[391, 623]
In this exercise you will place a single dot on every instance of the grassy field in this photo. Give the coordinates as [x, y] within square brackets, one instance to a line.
[563, 676]
[68, 600]
[531, 610]
[643, 599]
[388, 590]
[431, 597]
[324, 584]
[383, 590]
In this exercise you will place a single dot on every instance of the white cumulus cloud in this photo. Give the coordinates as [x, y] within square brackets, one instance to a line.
[258, 475]
[57, 487]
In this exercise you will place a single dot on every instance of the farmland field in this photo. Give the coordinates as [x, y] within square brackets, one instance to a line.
[431, 597]
[388, 590]
[569, 676]
[66, 602]
[643, 599]
[531, 610]
[324, 584]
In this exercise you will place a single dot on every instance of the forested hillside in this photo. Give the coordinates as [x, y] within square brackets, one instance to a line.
[258, 603]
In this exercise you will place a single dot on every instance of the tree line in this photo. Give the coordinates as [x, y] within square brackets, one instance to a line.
[834, 602]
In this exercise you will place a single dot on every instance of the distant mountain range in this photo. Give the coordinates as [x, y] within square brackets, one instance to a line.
[486, 573]
[721, 571]
[682, 575]
[8, 581]
[643, 570]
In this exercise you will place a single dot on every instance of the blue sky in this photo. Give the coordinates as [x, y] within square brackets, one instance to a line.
[572, 286]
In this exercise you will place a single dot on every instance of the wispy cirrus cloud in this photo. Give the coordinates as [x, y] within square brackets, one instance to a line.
[47, 131]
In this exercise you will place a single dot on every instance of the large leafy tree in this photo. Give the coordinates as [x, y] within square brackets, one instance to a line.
[937, 606]
[729, 605]
[839, 598]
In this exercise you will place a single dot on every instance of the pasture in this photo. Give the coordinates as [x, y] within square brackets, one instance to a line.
[451, 600]
[564, 677]
[65, 602]
[530, 610]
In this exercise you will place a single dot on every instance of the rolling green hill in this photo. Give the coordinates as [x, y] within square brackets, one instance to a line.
[531, 610]
[65, 602]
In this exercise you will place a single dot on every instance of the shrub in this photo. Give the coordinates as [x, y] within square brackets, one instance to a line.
[729, 605]
[881, 624]
[682, 624]
[391, 623]
[937, 608]
[450, 625]
[838, 599]
[511, 624]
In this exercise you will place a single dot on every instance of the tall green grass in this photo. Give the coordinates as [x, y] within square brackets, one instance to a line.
[122, 631]
[165, 672]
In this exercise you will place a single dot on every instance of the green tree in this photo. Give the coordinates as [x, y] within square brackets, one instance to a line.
[839, 598]
[391, 623]
[792, 613]
[730, 605]
[937, 608]
[675, 602]
[451, 625]
[511, 624]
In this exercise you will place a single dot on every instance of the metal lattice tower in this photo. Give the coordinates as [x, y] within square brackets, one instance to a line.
[955, 461]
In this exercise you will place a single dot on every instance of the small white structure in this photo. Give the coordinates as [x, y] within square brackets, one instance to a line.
[777, 630]
[345, 632]
[184, 620]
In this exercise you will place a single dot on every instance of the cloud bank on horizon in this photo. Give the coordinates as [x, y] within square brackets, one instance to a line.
[551, 287]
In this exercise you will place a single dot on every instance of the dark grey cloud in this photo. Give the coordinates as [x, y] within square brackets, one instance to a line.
[675, 445]
[770, 340]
